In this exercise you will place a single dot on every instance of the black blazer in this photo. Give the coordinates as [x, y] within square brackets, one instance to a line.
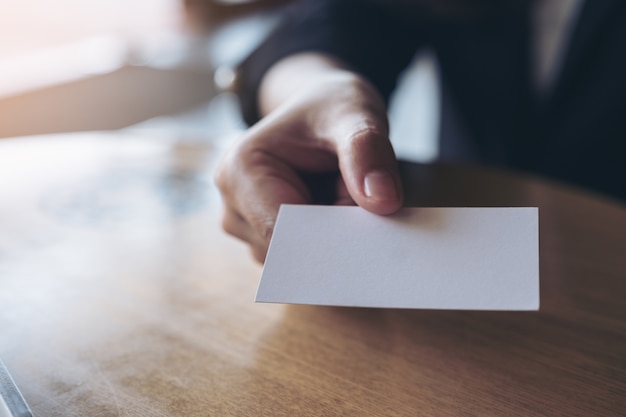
[576, 134]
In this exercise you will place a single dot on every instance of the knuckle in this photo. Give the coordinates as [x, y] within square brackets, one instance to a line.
[364, 137]
[367, 133]
[263, 226]
[230, 226]
[266, 229]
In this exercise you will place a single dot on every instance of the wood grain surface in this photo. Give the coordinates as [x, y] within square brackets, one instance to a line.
[121, 296]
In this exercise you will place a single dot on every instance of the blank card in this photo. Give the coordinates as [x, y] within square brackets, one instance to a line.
[431, 258]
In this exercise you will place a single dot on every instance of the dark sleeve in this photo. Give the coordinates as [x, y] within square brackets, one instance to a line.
[375, 41]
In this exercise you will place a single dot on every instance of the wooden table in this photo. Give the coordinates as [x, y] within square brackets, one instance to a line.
[121, 296]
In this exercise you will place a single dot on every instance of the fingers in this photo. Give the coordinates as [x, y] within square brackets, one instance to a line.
[253, 185]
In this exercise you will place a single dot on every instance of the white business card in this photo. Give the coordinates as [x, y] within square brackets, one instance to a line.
[430, 258]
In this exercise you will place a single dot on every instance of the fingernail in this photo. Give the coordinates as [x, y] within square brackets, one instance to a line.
[379, 185]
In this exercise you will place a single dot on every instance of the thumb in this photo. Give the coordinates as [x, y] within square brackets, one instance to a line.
[354, 121]
[369, 168]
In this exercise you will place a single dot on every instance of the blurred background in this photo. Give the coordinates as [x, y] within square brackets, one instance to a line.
[160, 67]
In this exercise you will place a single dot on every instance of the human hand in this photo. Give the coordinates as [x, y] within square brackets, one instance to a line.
[326, 143]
